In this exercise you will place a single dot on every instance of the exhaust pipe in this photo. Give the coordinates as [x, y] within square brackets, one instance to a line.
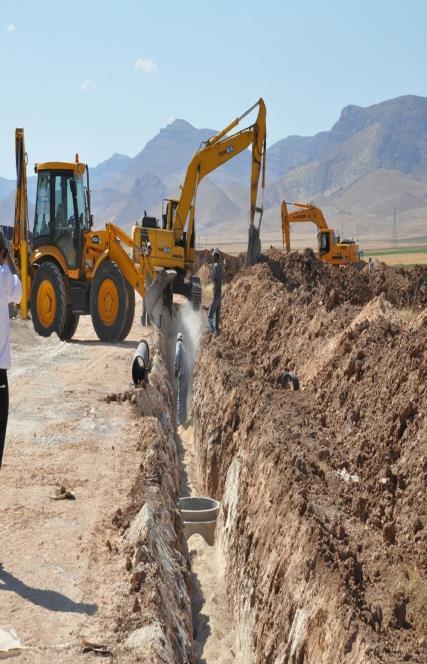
[140, 363]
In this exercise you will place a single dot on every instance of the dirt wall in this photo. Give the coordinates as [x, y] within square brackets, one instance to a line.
[322, 523]
[154, 617]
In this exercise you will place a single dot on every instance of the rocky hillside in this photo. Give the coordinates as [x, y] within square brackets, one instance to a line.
[373, 161]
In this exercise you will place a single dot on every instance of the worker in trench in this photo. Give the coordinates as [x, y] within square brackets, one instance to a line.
[10, 291]
[182, 377]
[214, 312]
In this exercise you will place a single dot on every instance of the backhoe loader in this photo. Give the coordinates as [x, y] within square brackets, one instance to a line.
[173, 245]
[70, 269]
[331, 250]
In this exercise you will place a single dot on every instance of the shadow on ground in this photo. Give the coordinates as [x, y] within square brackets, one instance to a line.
[48, 599]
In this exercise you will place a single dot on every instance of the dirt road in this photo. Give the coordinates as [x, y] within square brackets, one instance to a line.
[58, 578]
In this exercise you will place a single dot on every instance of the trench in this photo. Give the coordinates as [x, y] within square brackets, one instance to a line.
[213, 632]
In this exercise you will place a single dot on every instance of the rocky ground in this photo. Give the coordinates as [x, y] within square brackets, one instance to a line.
[323, 524]
[109, 567]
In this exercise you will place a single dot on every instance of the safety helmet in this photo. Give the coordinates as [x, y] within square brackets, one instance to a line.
[179, 336]
[215, 252]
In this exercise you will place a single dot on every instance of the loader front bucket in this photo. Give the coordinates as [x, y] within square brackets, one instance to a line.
[254, 246]
[153, 299]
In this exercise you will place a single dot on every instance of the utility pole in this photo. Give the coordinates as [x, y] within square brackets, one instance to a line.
[395, 237]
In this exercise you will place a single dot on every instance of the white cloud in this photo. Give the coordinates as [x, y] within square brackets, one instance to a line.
[88, 85]
[147, 65]
[11, 27]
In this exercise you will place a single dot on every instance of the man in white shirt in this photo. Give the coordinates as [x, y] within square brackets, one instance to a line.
[10, 291]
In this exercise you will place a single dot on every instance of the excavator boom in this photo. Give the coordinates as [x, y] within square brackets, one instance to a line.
[217, 151]
[307, 213]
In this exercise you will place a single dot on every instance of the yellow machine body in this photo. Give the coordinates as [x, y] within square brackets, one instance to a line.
[330, 249]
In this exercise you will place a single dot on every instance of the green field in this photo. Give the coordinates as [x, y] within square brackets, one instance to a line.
[396, 251]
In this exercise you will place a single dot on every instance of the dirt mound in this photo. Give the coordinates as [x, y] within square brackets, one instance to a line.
[323, 517]
[402, 287]
[231, 265]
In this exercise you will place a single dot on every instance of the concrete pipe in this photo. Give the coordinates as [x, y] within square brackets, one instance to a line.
[199, 515]
[140, 363]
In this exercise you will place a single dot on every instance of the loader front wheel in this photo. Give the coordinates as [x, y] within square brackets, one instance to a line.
[109, 302]
[49, 300]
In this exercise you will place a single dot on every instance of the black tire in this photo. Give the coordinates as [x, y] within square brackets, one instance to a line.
[70, 327]
[130, 311]
[49, 300]
[196, 293]
[109, 283]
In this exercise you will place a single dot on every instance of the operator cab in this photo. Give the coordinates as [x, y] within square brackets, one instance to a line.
[62, 208]
[169, 216]
[324, 242]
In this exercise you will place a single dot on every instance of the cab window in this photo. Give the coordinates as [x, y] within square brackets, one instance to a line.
[324, 244]
[42, 225]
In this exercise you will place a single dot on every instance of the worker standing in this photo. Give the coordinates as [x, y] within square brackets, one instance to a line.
[215, 307]
[370, 265]
[10, 291]
[181, 375]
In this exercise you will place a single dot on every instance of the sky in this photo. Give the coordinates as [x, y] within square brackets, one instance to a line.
[103, 77]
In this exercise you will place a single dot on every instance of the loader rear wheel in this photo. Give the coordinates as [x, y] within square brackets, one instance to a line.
[130, 311]
[109, 302]
[49, 300]
[70, 327]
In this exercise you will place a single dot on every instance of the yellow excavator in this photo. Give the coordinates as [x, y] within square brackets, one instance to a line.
[331, 249]
[68, 269]
[173, 245]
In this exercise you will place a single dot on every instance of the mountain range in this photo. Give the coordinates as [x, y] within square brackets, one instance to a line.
[369, 169]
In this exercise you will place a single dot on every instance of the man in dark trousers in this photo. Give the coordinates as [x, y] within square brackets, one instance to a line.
[214, 312]
[10, 291]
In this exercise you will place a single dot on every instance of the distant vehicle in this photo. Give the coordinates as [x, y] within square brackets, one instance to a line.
[331, 249]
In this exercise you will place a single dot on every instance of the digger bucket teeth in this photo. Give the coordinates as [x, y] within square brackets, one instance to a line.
[254, 246]
[154, 294]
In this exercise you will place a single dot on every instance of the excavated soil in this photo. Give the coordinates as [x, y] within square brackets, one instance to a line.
[231, 265]
[323, 520]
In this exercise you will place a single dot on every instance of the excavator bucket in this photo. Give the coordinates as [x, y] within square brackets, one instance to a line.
[254, 246]
[153, 299]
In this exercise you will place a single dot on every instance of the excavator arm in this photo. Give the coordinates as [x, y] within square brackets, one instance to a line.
[217, 151]
[307, 213]
[20, 242]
